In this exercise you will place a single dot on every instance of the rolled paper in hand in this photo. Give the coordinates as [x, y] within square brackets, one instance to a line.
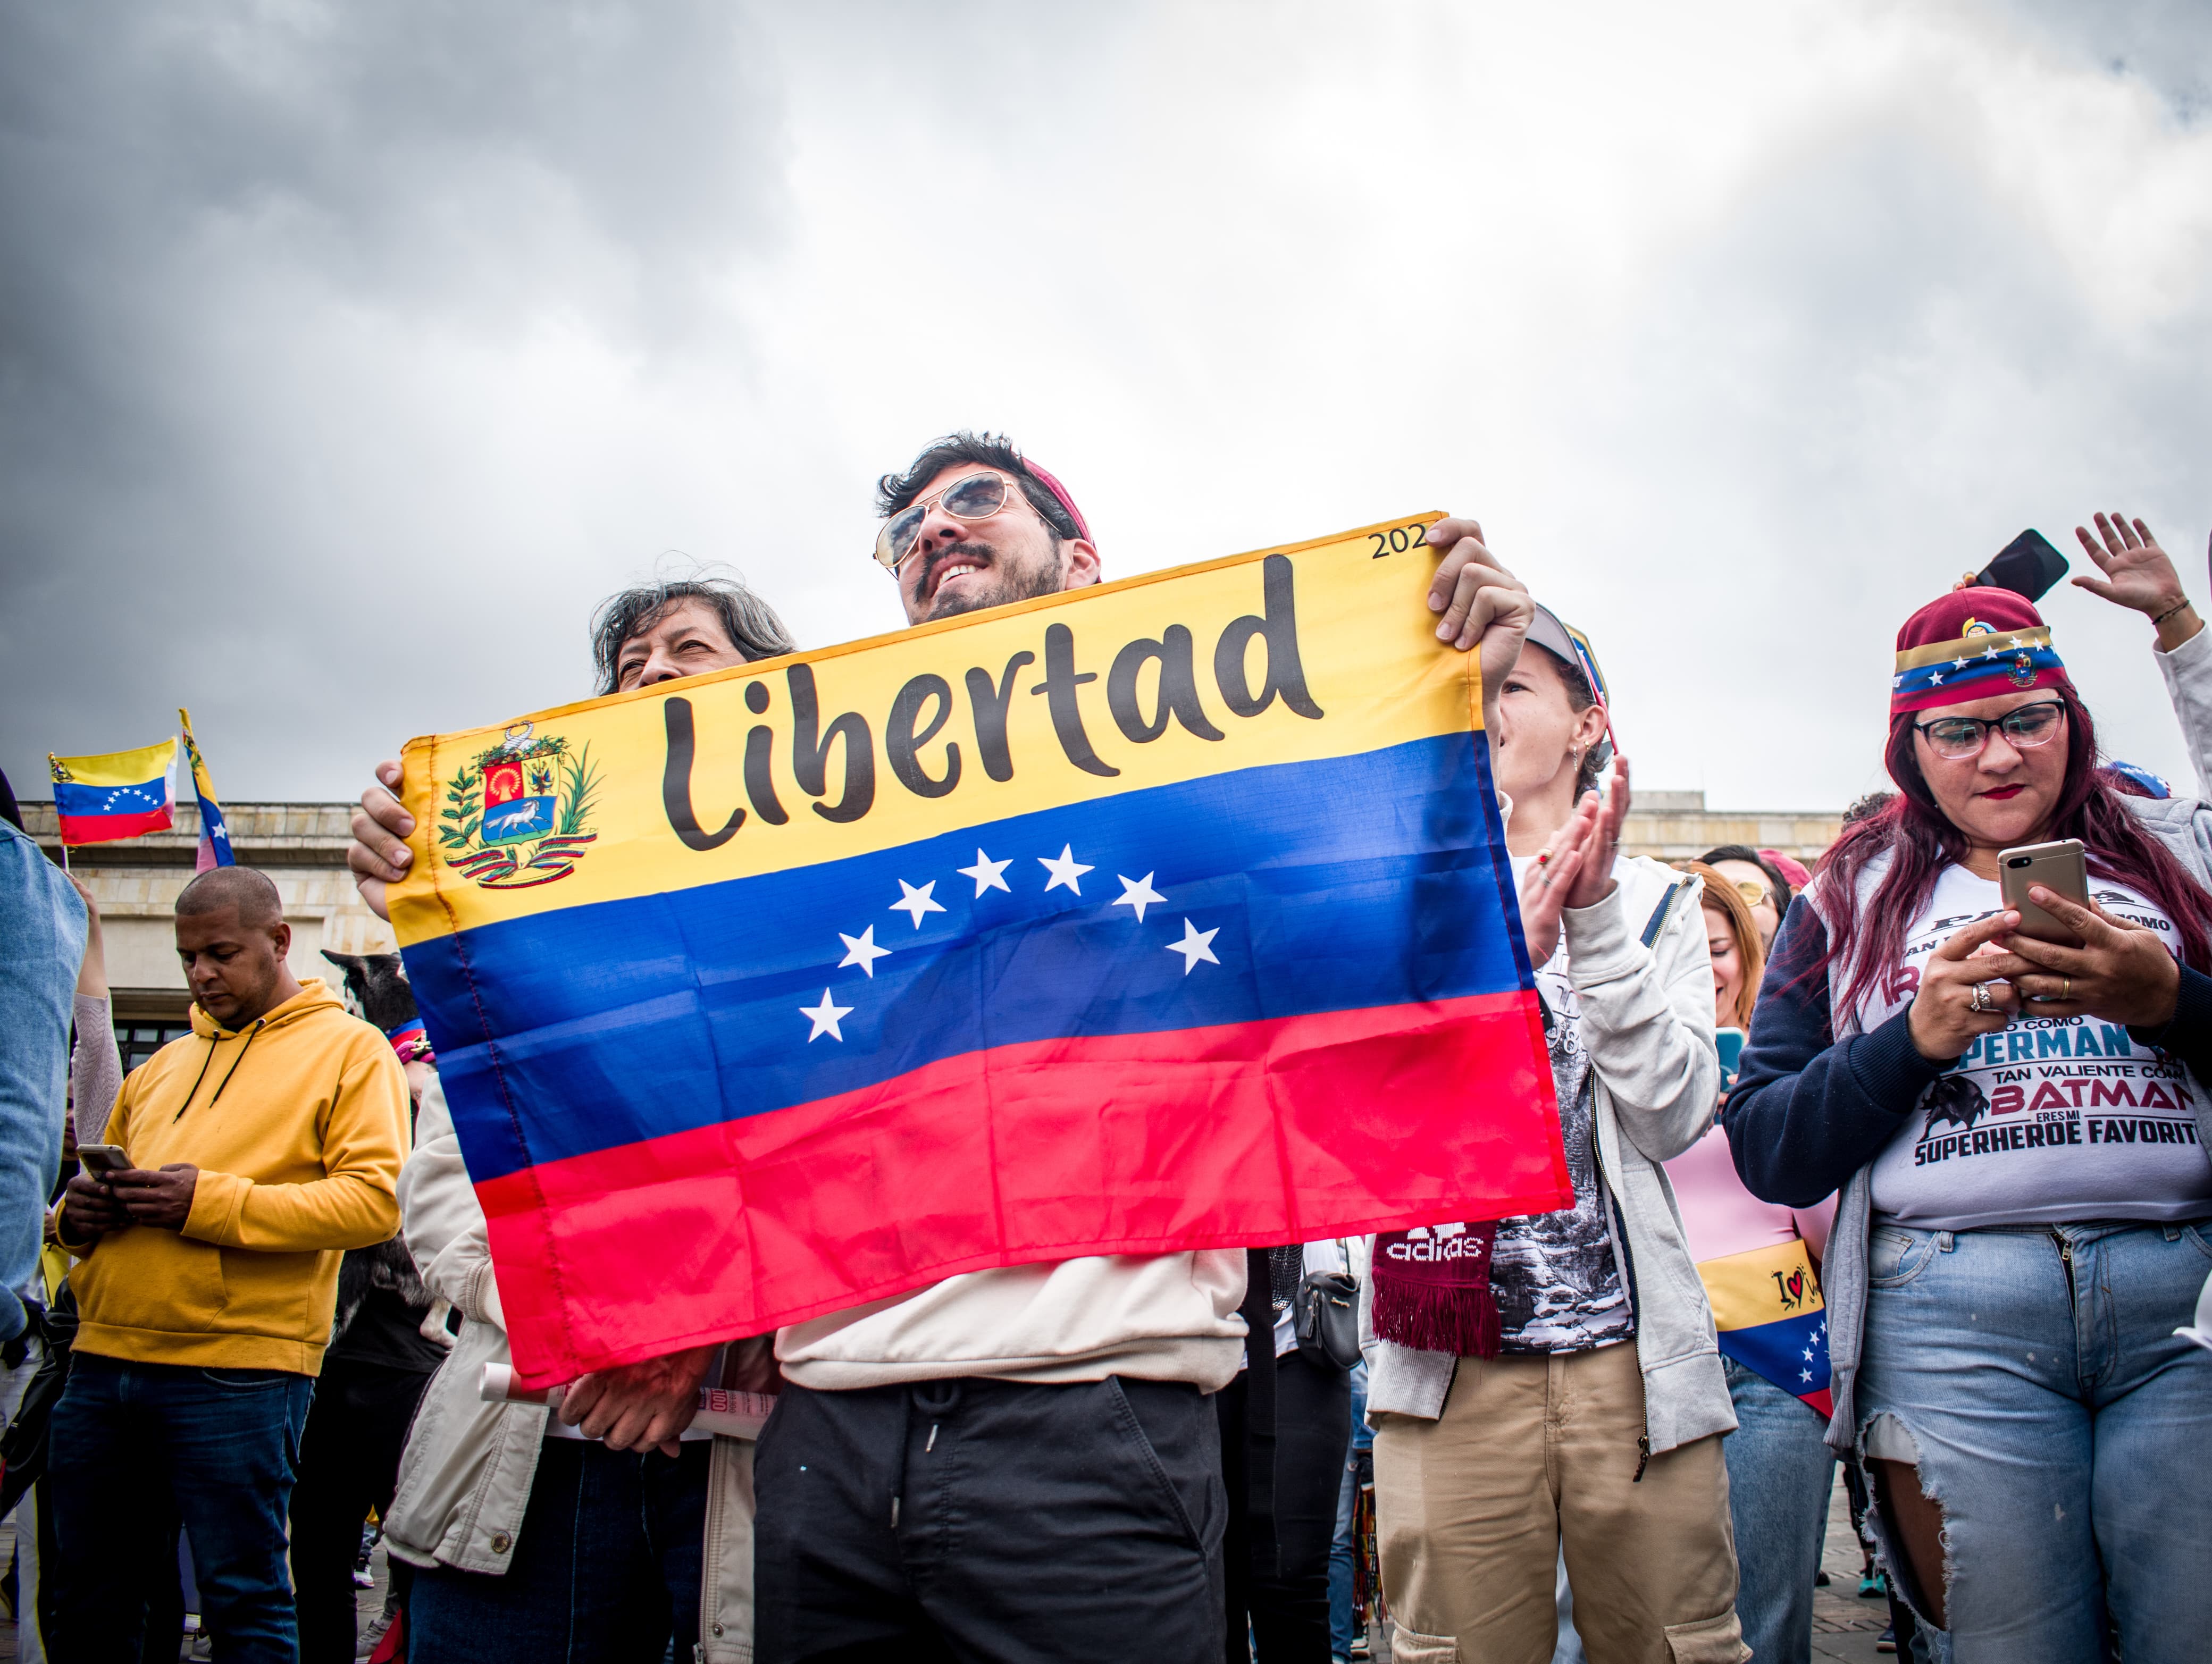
[731, 1414]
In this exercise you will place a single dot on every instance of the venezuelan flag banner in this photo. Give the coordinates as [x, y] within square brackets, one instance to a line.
[120, 794]
[215, 836]
[1767, 1307]
[1166, 914]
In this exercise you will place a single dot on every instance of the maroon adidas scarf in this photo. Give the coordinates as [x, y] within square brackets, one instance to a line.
[1432, 1289]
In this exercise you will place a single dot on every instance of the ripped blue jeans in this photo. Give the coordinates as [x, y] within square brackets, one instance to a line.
[2060, 1425]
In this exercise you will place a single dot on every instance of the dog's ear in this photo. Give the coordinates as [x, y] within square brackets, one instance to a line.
[344, 961]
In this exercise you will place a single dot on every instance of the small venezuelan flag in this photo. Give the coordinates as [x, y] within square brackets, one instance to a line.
[1767, 1307]
[1170, 913]
[215, 836]
[123, 794]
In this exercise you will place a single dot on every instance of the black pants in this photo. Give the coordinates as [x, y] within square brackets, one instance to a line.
[1281, 1588]
[349, 1464]
[990, 1522]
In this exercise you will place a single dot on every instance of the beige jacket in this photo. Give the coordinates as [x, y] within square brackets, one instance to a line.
[466, 1477]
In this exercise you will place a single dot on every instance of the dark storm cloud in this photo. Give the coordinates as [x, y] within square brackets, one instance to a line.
[205, 204]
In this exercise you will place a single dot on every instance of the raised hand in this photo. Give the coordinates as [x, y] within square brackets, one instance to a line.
[2120, 973]
[1481, 602]
[377, 855]
[1965, 994]
[2136, 574]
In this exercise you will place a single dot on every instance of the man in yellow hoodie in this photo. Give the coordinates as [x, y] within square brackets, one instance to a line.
[261, 1148]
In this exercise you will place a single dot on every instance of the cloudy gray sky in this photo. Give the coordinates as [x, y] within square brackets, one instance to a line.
[349, 354]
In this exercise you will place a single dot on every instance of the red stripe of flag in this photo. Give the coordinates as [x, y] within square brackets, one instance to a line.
[1355, 1121]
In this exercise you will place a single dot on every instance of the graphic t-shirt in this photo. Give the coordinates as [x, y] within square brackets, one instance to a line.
[2048, 1119]
[1555, 1275]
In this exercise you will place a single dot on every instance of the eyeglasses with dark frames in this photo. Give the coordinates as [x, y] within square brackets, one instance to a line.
[1955, 738]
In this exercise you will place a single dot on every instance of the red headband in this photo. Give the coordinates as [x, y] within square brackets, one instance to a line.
[1059, 495]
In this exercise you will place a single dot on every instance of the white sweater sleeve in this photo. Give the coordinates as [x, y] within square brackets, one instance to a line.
[440, 1218]
[95, 1068]
[1647, 1015]
[2188, 673]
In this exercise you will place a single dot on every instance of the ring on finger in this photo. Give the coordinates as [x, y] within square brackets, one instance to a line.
[2065, 988]
[1980, 998]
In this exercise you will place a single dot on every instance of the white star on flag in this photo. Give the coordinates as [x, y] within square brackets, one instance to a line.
[862, 951]
[1935, 679]
[825, 1017]
[1064, 871]
[1804, 1375]
[987, 873]
[1137, 893]
[916, 902]
[1195, 946]
[1957, 664]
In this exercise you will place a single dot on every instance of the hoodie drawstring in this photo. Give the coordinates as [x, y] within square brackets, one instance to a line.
[240, 1057]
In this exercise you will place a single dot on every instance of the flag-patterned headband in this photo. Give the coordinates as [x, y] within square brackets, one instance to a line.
[1984, 662]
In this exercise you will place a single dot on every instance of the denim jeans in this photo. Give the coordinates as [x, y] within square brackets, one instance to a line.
[2058, 1424]
[135, 1445]
[606, 1569]
[1780, 1472]
[1340, 1632]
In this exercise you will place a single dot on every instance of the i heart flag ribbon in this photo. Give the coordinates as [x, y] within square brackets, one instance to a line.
[1164, 915]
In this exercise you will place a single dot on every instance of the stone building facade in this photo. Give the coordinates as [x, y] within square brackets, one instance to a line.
[301, 846]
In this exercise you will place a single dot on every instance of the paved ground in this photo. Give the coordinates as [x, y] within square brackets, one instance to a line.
[1844, 1626]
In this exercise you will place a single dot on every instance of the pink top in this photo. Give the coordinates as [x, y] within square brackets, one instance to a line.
[1722, 1217]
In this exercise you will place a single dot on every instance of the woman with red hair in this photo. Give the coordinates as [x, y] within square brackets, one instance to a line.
[2018, 1134]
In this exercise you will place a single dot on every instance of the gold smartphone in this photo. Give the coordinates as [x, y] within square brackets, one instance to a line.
[2057, 866]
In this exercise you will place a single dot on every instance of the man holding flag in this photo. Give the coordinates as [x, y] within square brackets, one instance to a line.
[1057, 1410]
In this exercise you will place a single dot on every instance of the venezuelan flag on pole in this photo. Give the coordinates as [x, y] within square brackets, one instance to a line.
[123, 794]
[215, 836]
[1767, 1307]
[1168, 914]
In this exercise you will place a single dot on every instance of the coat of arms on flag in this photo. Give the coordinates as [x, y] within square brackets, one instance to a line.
[518, 818]
[1164, 915]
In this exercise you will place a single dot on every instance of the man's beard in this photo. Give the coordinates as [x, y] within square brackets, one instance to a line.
[1007, 585]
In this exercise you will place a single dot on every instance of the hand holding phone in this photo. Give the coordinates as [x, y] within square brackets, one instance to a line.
[2058, 867]
[103, 1158]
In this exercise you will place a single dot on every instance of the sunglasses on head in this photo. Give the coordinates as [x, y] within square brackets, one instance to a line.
[970, 498]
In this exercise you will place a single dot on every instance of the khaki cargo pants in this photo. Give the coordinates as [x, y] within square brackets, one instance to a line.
[1533, 1454]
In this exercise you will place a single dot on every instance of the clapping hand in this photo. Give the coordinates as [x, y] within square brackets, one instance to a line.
[1549, 882]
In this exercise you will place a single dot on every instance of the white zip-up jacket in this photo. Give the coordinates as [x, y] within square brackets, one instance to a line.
[1647, 1017]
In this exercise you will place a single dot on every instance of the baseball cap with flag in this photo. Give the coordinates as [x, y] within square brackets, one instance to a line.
[1972, 644]
[1549, 632]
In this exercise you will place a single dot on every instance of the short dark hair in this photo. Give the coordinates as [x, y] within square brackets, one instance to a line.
[1741, 852]
[251, 892]
[895, 491]
[751, 623]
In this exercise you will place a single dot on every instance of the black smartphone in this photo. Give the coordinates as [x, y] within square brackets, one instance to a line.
[2028, 566]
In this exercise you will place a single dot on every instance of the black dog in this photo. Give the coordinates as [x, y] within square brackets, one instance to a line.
[376, 990]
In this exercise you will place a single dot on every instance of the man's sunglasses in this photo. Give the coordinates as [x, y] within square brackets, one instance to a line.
[1955, 738]
[970, 498]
